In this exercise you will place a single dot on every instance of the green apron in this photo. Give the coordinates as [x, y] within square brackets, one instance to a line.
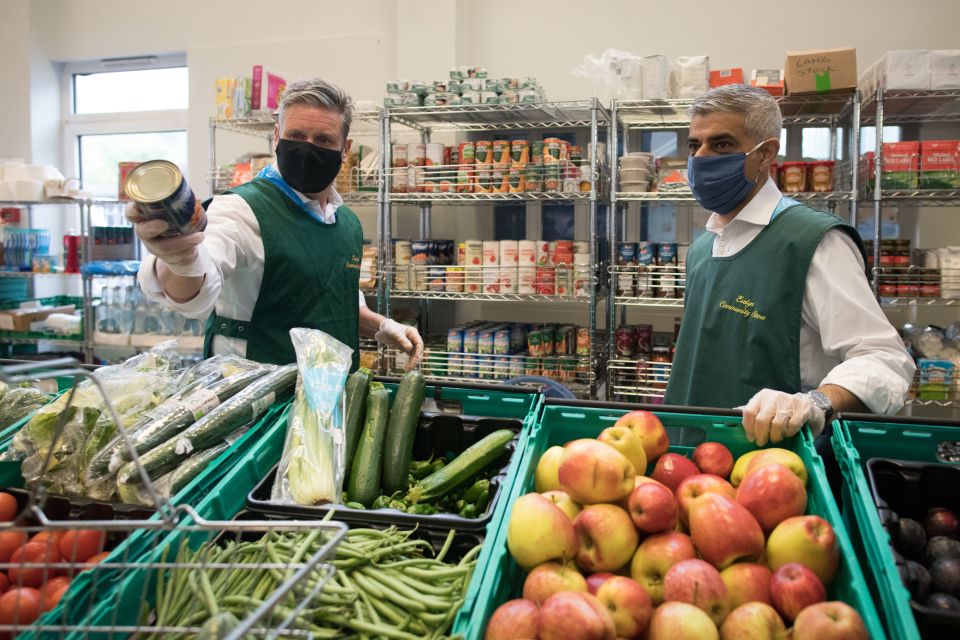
[311, 278]
[742, 313]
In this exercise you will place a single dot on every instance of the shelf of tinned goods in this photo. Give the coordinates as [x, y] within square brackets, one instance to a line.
[637, 379]
[925, 391]
[687, 197]
[492, 117]
[458, 282]
[475, 198]
[918, 287]
[262, 125]
[904, 106]
[648, 285]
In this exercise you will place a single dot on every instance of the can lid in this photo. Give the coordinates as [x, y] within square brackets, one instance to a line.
[153, 181]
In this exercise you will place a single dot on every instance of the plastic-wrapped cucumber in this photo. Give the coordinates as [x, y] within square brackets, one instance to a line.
[18, 403]
[174, 482]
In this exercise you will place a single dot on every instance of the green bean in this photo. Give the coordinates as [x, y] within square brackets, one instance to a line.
[372, 588]
[418, 585]
[378, 630]
[373, 611]
[473, 553]
[389, 593]
[446, 545]
[437, 574]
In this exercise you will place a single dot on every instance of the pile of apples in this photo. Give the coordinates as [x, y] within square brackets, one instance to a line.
[701, 549]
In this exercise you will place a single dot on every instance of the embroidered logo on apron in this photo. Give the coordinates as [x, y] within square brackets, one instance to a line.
[743, 306]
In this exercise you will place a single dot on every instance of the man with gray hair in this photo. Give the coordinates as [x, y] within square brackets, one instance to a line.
[280, 251]
[778, 317]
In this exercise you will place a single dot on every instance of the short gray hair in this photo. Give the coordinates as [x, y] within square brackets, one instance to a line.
[761, 112]
[319, 93]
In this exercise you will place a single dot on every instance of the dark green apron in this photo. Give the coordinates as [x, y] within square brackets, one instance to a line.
[742, 313]
[311, 278]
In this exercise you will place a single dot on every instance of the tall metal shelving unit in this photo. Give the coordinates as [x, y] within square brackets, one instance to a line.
[639, 379]
[583, 373]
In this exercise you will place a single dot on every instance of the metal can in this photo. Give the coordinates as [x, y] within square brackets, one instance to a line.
[399, 152]
[561, 340]
[533, 177]
[520, 151]
[483, 152]
[552, 150]
[583, 341]
[564, 280]
[501, 152]
[532, 366]
[626, 282]
[161, 192]
[644, 335]
[626, 252]
[546, 282]
[536, 152]
[518, 338]
[645, 253]
[527, 280]
[417, 154]
[660, 367]
[552, 178]
[516, 366]
[625, 342]
[399, 182]
[551, 368]
[485, 341]
[549, 333]
[667, 253]
[535, 343]
[517, 177]
[501, 342]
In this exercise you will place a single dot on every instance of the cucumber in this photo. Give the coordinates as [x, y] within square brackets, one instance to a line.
[463, 468]
[211, 430]
[364, 484]
[193, 467]
[404, 417]
[355, 398]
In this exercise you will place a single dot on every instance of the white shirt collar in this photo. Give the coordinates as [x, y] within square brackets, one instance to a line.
[758, 211]
[327, 213]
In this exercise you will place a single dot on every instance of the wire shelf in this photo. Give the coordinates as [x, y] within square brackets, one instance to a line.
[502, 283]
[59, 342]
[685, 197]
[649, 285]
[260, 126]
[918, 287]
[930, 389]
[632, 378]
[904, 106]
[920, 197]
[481, 198]
[35, 274]
[492, 117]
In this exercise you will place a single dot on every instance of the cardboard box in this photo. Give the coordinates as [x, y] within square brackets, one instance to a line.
[771, 80]
[720, 77]
[940, 164]
[945, 69]
[901, 165]
[20, 319]
[820, 71]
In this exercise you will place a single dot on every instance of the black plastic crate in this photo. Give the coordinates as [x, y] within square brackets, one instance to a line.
[58, 507]
[904, 489]
[438, 434]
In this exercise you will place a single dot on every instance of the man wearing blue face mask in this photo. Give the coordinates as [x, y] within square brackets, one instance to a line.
[779, 317]
[280, 251]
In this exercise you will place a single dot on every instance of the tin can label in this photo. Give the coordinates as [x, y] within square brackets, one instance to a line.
[583, 341]
[625, 342]
[626, 252]
[667, 253]
[501, 152]
[552, 150]
[483, 152]
[501, 342]
[645, 253]
[535, 343]
[520, 151]
[455, 340]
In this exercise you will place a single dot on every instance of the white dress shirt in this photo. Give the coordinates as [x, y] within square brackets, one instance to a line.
[232, 256]
[845, 339]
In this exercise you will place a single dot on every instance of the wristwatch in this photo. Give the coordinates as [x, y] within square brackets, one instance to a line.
[822, 402]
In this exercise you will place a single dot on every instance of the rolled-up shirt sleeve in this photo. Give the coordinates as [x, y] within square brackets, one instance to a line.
[838, 301]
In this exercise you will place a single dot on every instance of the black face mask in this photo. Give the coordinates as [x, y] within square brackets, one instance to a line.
[307, 167]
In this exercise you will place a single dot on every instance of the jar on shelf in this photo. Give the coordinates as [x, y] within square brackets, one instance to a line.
[660, 371]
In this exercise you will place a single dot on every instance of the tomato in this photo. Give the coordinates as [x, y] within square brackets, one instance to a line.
[51, 536]
[100, 557]
[38, 552]
[20, 606]
[51, 599]
[10, 541]
[8, 507]
[80, 544]
[54, 584]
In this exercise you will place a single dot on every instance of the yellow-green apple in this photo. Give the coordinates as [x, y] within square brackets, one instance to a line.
[545, 477]
[592, 472]
[672, 469]
[740, 466]
[793, 588]
[772, 493]
[723, 531]
[624, 440]
[698, 583]
[650, 430]
[565, 502]
[539, 531]
[655, 556]
[753, 621]
[629, 606]
[675, 620]
[571, 615]
[809, 540]
[747, 582]
[606, 537]
[695, 486]
[596, 580]
[829, 621]
[779, 456]
[550, 578]
[513, 620]
[652, 507]
[713, 457]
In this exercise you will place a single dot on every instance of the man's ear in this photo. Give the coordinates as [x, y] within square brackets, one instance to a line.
[276, 137]
[769, 152]
[346, 149]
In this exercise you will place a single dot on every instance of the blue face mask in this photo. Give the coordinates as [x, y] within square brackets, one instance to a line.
[719, 183]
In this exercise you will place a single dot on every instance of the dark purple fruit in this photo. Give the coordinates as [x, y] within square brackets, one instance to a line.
[910, 538]
[941, 521]
[942, 602]
[940, 548]
[916, 579]
[945, 576]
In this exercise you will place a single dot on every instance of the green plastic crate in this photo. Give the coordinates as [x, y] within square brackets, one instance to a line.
[493, 400]
[856, 440]
[562, 421]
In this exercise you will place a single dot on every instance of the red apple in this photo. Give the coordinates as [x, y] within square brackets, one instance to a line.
[700, 584]
[723, 531]
[513, 620]
[679, 620]
[650, 430]
[753, 621]
[655, 556]
[809, 540]
[787, 458]
[772, 494]
[793, 588]
[713, 457]
[747, 582]
[672, 469]
[695, 486]
[539, 531]
[624, 440]
[606, 537]
[652, 507]
[629, 606]
[829, 621]
[550, 578]
[592, 472]
[565, 502]
[574, 616]
[596, 580]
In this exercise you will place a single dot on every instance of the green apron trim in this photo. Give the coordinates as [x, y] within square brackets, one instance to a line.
[742, 313]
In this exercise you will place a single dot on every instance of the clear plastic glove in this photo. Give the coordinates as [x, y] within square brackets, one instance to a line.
[771, 416]
[402, 337]
[180, 253]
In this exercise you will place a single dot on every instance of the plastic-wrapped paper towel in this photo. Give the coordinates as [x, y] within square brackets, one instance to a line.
[614, 74]
[693, 76]
[945, 69]
[949, 267]
[656, 77]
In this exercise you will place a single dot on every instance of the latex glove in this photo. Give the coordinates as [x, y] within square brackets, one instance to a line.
[771, 416]
[402, 337]
[180, 253]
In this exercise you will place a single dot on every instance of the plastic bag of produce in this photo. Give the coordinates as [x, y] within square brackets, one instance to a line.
[314, 454]
[18, 403]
